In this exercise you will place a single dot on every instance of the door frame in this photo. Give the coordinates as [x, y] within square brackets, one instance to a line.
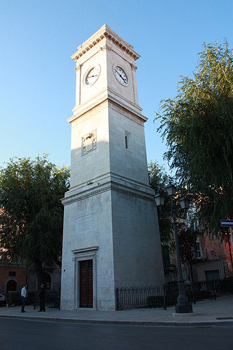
[89, 253]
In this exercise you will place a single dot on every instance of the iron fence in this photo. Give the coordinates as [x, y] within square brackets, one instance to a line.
[52, 299]
[166, 295]
[131, 298]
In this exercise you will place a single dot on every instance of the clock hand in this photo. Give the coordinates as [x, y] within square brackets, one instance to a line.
[124, 79]
[119, 74]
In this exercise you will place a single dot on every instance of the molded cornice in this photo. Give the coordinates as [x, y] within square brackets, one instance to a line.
[102, 33]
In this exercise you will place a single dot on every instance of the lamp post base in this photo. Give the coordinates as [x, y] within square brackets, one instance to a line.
[183, 308]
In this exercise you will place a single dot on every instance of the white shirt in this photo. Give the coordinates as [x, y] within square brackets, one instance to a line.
[24, 292]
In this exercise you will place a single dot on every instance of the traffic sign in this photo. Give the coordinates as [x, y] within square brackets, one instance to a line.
[226, 223]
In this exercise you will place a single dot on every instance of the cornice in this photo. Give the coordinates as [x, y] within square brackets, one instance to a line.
[105, 32]
[111, 184]
[84, 250]
[135, 110]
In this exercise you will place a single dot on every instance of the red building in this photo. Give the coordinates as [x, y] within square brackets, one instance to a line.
[213, 257]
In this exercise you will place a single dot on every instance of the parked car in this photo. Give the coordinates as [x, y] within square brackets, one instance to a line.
[2, 300]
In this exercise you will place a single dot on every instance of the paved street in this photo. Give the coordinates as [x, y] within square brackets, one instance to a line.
[211, 327]
[19, 334]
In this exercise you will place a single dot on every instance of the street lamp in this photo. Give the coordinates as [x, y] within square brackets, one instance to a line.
[183, 305]
[159, 200]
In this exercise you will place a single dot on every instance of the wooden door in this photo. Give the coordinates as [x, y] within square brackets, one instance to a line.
[11, 286]
[86, 283]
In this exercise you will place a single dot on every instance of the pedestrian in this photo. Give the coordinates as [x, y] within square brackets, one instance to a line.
[42, 298]
[24, 294]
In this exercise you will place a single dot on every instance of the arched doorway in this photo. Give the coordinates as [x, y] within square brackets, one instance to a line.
[46, 280]
[11, 286]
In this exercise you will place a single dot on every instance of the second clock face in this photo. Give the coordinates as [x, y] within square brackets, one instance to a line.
[92, 75]
[120, 75]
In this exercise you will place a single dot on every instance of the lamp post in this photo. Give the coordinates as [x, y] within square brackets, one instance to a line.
[183, 305]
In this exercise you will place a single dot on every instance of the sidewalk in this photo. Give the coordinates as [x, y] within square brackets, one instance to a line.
[211, 312]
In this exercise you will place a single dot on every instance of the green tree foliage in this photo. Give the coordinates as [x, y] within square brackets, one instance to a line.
[157, 177]
[198, 127]
[158, 180]
[187, 236]
[31, 218]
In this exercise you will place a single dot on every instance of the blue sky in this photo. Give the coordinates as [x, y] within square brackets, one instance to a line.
[37, 77]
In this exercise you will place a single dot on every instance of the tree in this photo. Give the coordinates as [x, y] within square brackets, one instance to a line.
[198, 127]
[187, 236]
[157, 177]
[158, 180]
[187, 244]
[32, 213]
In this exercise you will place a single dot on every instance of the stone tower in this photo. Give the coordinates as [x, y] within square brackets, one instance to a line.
[111, 235]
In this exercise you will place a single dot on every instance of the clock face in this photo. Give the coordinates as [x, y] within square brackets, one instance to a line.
[92, 75]
[120, 75]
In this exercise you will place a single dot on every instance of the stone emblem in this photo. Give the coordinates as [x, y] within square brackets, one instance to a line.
[89, 142]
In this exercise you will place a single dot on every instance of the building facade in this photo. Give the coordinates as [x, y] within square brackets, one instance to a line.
[213, 258]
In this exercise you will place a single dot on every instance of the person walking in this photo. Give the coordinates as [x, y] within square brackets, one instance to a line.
[42, 298]
[24, 294]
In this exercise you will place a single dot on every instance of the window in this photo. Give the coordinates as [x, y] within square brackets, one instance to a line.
[12, 273]
[127, 139]
[212, 275]
[126, 142]
[198, 248]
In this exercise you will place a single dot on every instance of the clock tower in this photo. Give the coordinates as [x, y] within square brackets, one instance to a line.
[111, 236]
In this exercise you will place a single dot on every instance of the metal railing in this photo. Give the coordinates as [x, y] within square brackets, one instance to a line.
[134, 297]
[166, 295]
[52, 299]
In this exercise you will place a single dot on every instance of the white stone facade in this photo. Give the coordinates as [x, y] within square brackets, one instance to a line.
[110, 217]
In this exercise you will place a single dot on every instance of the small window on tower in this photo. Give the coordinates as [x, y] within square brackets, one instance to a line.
[127, 138]
[126, 141]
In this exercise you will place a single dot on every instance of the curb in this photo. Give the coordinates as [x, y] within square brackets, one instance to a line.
[122, 322]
